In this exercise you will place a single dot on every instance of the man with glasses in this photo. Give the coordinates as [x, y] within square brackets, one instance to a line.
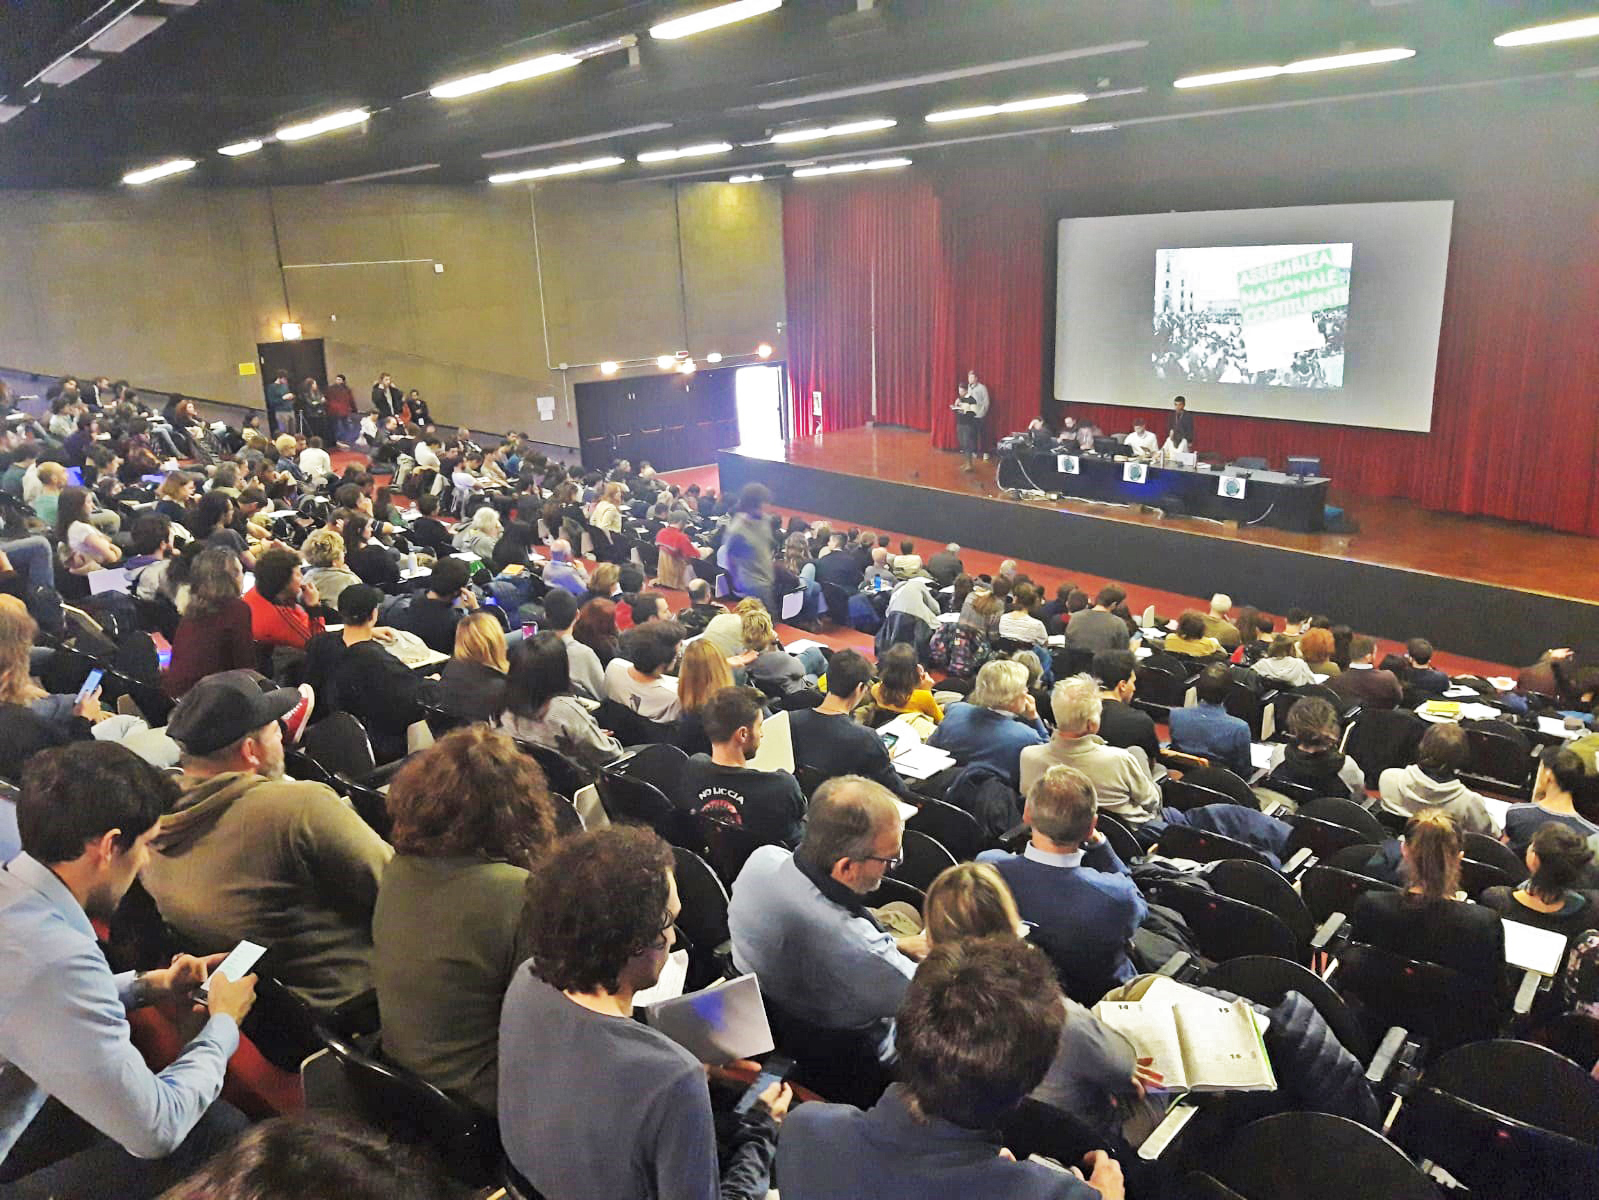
[800, 922]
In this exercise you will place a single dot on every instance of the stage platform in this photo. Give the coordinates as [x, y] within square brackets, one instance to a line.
[1475, 586]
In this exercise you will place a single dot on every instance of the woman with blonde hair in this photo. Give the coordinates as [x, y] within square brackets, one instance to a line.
[607, 511]
[328, 572]
[772, 669]
[702, 673]
[480, 534]
[31, 719]
[1431, 920]
[604, 580]
[472, 684]
[1096, 1072]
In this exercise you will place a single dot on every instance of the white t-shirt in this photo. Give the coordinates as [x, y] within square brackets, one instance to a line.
[1143, 443]
[80, 535]
[1020, 627]
[425, 458]
[315, 462]
[654, 701]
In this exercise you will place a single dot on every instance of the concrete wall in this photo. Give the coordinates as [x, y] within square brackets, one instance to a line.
[172, 288]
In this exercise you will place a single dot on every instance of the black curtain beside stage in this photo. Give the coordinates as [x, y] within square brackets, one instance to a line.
[1481, 620]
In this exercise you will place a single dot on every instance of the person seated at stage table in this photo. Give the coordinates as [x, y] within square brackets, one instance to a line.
[1180, 438]
[1142, 442]
[1208, 729]
[995, 724]
[839, 565]
[1218, 626]
[1096, 629]
[1364, 683]
[1190, 637]
[1281, 664]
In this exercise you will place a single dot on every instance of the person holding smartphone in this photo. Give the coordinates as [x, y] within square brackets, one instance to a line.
[80, 1113]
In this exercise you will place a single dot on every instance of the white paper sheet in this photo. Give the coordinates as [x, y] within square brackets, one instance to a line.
[777, 745]
[724, 1021]
[1533, 949]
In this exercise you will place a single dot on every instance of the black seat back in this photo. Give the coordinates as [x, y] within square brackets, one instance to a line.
[1443, 1006]
[1257, 884]
[1342, 811]
[1183, 795]
[1200, 845]
[1227, 928]
[924, 859]
[727, 846]
[1327, 890]
[560, 773]
[1495, 853]
[1120, 836]
[1266, 980]
[656, 763]
[1501, 759]
[637, 802]
[1322, 837]
[340, 744]
[953, 828]
[1317, 1156]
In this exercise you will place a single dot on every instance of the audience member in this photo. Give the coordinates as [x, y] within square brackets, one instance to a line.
[1431, 920]
[542, 708]
[903, 684]
[433, 614]
[702, 674]
[721, 784]
[945, 565]
[316, 1158]
[640, 683]
[1096, 1072]
[1281, 664]
[1208, 729]
[1021, 623]
[747, 545]
[560, 617]
[215, 631]
[1311, 757]
[978, 1029]
[1557, 861]
[599, 914]
[472, 683]
[772, 669]
[1432, 782]
[1362, 683]
[995, 724]
[352, 670]
[428, 531]
[701, 609]
[328, 572]
[1218, 626]
[1120, 724]
[1560, 775]
[281, 602]
[471, 815]
[799, 919]
[1190, 637]
[1316, 648]
[827, 738]
[839, 566]
[595, 627]
[1420, 674]
[81, 1114]
[1098, 629]
[1119, 778]
[879, 574]
[907, 562]
[246, 854]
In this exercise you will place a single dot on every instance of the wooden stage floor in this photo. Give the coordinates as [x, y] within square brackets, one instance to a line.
[1391, 533]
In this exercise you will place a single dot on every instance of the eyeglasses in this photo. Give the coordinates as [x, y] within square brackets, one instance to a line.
[888, 863]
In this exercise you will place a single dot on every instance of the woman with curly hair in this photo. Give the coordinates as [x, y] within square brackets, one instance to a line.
[599, 919]
[596, 628]
[471, 816]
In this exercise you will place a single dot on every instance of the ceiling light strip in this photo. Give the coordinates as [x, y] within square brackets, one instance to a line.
[993, 68]
[697, 151]
[712, 18]
[236, 149]
[652, 127]
[1033, 104]
[327, 124]
[571, 168]
[517, 72]
[174, 166]
[416, 170]
[850, 168]
[1303, 66]
[812, 133]
[1560, 31]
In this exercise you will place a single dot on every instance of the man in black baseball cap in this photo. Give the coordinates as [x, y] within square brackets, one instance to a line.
[247, 853]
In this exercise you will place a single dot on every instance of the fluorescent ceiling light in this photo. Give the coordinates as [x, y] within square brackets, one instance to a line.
[909, 81]
[248, 146]
[704, 148]
[528, 68]
[1560, 31]
[327, 124]
[68, 69]
[849, 168]
[174, 166]
[712, 18]
[652, 127]
[119, 36]
[1304, 66]
[813, 133]
[1013, 106]
[1101, 127]
[389, 175]
[753, 178]
[571, 168]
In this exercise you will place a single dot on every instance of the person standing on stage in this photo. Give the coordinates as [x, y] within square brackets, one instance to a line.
[973, 413]
[1181, 438]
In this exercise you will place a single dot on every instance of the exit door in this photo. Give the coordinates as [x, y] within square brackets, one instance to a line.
[301, 359]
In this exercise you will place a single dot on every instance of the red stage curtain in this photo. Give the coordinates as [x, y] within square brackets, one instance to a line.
[964, 276]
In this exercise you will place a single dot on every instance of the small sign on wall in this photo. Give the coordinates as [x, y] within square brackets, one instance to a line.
[247, 368]
[546, 405]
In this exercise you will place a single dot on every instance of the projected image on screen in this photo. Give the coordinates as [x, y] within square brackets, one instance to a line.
[1262, 315]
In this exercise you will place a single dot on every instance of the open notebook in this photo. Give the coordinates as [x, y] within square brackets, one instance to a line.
[1199, 1042]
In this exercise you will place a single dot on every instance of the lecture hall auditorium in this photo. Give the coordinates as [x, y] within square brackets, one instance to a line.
[823, 599]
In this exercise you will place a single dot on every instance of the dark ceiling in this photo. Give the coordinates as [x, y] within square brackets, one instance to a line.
[219, 71]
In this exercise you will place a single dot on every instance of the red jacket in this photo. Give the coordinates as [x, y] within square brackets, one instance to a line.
[280, 624]
[341, 400]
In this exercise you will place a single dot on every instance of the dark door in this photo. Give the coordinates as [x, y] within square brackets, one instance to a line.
[302, 360]
[671, 421]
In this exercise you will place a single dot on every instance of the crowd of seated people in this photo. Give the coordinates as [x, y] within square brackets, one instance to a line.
[503, 958]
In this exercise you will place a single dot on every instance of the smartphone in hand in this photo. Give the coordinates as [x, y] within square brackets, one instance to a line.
[237, 964]
[774, 1070]
[90, 682]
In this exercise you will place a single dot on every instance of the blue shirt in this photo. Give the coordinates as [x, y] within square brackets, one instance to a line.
[1083, 907]
[1210, 730]
[834, 1151]
[64, 1028]
[986, 737]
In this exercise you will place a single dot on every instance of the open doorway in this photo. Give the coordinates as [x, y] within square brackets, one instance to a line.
[758, 395]
[303, 360]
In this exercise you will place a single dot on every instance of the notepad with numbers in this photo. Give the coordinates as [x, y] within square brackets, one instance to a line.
[1199, 1042]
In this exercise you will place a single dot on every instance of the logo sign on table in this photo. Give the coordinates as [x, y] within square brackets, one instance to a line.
[1134, 472]
[1230, 486]
[1066, 464]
